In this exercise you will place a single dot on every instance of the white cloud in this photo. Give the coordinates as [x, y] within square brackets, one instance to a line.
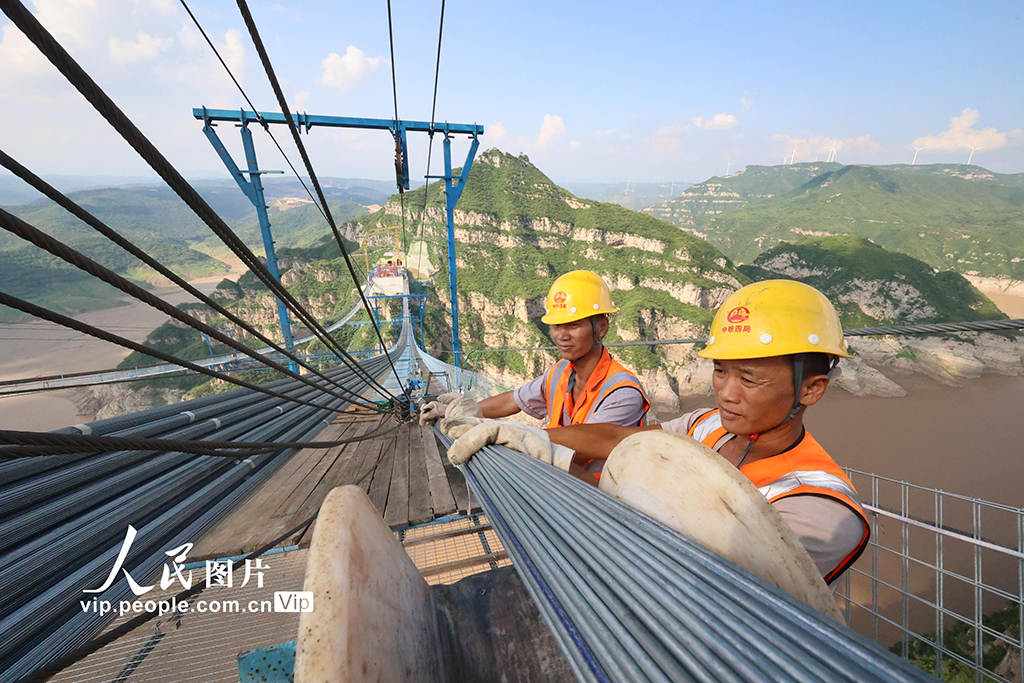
[301, 98]
[496, 133]
[716, 122]
[551, 130]
[747, 103]
[665, 140]
[346, 72]
[143, 49]
[574, 144]
[610, 131]
[962, 135]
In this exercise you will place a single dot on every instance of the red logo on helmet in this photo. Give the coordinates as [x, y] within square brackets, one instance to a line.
[738, 315]
[560, 298]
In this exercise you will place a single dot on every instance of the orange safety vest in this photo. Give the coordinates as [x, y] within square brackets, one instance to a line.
[804, 470]
[608, 376]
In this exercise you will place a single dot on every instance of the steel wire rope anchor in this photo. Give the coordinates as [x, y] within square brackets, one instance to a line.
[60, 58]
[282, 102]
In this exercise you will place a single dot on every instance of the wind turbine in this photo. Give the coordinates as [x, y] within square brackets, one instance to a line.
[832, 151]
[973, 150]
[916, 150]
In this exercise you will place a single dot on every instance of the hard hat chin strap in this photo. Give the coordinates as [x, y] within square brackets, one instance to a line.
[798, 381]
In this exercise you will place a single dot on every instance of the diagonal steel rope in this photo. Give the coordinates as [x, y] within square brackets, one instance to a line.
[65, 321]
[83, 215]
[282, 102]
[70, 69]
[18, 227]
[252, 106]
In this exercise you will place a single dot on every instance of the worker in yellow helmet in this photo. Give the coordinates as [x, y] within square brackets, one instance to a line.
[587, 385]
[775, 346]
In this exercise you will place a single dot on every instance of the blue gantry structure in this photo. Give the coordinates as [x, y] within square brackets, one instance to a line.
[253, 186]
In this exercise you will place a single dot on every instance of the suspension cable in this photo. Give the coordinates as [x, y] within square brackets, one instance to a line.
[266, 126]
[83, 215]
[65, 321]
[433, 112]
[19, 444]
[18, 227]
[106, 107]
[272, 77]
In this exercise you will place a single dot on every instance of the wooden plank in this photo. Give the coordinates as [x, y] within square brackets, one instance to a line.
[460, 489]
[363, 458]
[419, 485]
[249, 522]
[369, 458]
[397, 510]
[381, 483]
[441, 499]
[286, 512]
[331, 478]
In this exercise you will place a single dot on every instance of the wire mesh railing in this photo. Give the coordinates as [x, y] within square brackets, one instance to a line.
[941, 582]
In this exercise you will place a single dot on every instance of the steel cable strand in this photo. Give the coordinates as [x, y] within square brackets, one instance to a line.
[49, 670]
[627, 521]
[38, 444]
[657, 539]
[82, 82]
[690, 615]
[594, 610]
[187, 413]
[29, 233]
[60, 199]
[262, 122]
[724, 604]
[103, 475]
[938, 328]
[54, 317]
[33, 616]
[283, 103]
[550, 607]
[642, 598]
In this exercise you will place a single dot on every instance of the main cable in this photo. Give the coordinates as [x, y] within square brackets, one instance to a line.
[90, 220]
[106, 107]
[18, 227]
[266, 126]
[272, 77]
[433, 113]
[60, 319]
[18, 444]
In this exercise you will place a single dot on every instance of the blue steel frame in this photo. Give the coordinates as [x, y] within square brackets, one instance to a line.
[453, 185]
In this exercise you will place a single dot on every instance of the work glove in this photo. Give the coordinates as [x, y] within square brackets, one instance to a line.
[457, 425]
[519, 437]
[449, 405]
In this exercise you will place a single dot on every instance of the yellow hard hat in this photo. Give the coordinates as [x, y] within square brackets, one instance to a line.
[577, 295]
[775, 318]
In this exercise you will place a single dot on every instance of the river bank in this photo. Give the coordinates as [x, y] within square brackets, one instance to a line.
[35, 348]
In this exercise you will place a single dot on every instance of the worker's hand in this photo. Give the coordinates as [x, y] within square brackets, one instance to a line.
[449, 405]
[458, 425]
[528, 440]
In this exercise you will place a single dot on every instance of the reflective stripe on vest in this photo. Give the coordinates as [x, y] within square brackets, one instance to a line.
[805, 469]
[814, 478]
[609, 376]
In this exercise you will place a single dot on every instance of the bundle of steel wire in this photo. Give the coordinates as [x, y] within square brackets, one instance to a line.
[629, 599]
[63, 517]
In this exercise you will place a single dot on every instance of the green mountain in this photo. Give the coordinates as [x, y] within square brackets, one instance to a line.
[955, 217]
[156, 220]
[872, 286]
[516, 231]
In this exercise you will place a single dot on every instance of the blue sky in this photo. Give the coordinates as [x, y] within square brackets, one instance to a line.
[591, 91]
